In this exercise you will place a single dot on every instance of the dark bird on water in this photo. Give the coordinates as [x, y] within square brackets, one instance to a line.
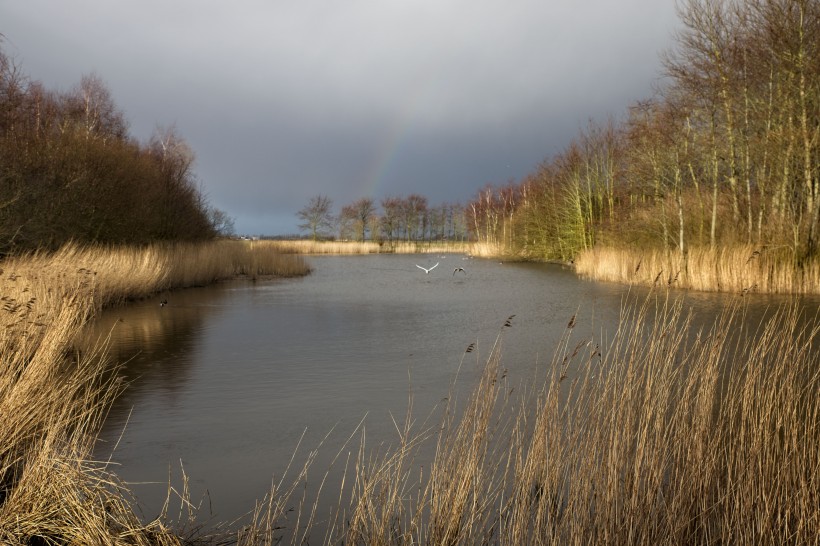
[163, 303]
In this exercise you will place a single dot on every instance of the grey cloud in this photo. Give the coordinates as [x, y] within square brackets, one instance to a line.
[285, 99]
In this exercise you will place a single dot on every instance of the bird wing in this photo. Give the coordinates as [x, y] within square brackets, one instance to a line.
[417, 265]
[435, 266]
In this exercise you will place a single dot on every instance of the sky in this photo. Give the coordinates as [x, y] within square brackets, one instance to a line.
[284, 100]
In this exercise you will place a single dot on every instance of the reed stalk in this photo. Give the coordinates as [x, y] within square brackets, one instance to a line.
[662, 435]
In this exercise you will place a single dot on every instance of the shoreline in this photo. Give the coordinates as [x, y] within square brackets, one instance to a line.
[51, 491]
[58, 396]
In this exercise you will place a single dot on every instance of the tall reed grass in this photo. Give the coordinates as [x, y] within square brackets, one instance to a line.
[369, 247]
[661, 435]
[488, 250]
[54, 399]
[736, 269]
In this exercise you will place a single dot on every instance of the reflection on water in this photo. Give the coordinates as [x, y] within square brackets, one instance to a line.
[154, 344]
[224, 380]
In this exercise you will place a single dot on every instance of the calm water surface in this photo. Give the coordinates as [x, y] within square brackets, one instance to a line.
[226, 379]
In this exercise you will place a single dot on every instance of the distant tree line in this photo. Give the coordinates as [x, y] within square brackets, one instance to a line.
[727, 152]
[69, 170]
[394, 219]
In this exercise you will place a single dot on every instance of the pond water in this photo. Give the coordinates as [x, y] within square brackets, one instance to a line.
[225, 380]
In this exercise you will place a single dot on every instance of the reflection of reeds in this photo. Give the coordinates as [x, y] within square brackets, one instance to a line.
[739, 269]
[52, 401]
[52, 406]
[665, 436]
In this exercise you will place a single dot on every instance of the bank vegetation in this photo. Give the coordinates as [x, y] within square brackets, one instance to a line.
[663, 434]
[54, 394]
[71, 171]
[725, 156]
[304, 246]
[657, 434]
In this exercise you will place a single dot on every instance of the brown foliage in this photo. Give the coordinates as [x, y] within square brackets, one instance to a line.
[70, 171]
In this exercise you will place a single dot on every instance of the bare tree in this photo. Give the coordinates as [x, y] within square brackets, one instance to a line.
[175, 159]
[91, 109]
[364, 209]
[346, 222]
[391, 218]
[317, 216]
[413, 216]
[222, 224]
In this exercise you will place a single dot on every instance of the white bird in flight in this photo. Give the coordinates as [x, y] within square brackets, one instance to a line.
[427, 270]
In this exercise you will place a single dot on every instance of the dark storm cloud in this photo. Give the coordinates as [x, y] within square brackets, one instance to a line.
[282, 100]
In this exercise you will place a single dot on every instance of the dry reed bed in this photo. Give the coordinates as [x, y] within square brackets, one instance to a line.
[53, 400]
[660, 435]
[368, 247]
[663, 435]
[116, 274]
[737, 269]
[52, 405]
[487, 250]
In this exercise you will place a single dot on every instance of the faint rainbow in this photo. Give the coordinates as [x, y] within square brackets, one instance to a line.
[389, 148]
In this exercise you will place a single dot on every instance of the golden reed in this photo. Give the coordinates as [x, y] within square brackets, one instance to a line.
[53, 399]
[737, 269]
[645, 438]
[367, 247]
